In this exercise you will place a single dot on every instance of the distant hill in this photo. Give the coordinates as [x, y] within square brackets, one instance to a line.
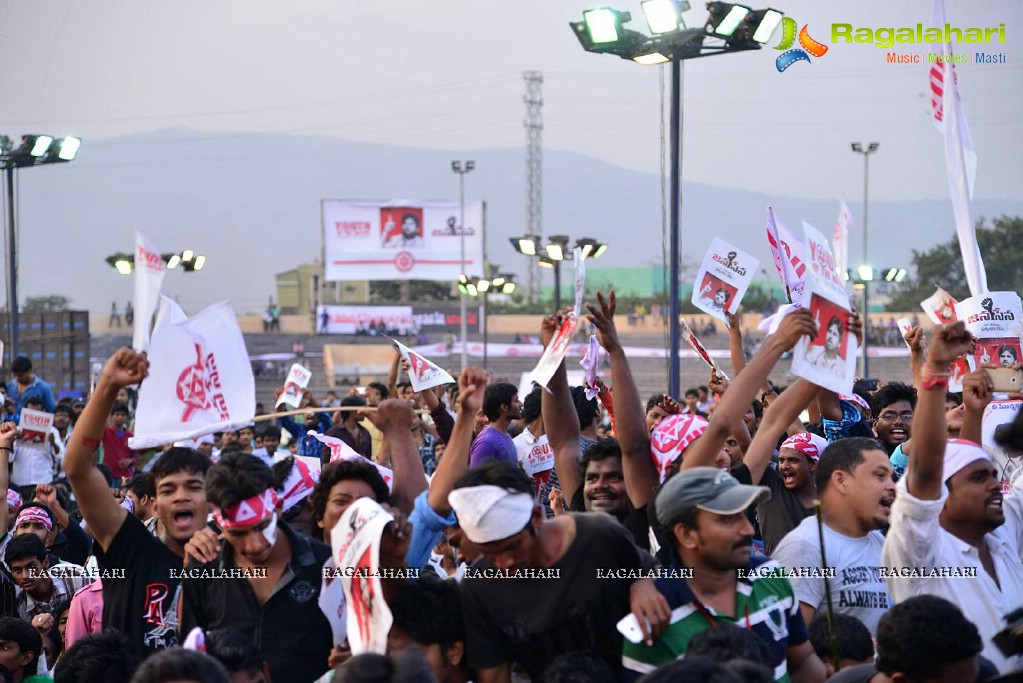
[250, 202]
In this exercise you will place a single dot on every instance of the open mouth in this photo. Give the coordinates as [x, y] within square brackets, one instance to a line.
[898, 434]
[994, 503]
[788, 478]
[886, 505]
[183, 519]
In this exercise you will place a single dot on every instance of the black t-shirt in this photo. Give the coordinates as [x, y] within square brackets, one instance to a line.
[144, 604]
[781, 514]
[634, 519]
[290, 629]
[530, 621]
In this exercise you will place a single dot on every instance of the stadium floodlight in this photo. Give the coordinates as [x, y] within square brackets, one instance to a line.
[865, 272]
[525, 245]
[604, 25]
[766, 22]
[661, 15]
[67, 148]
[725, 18]
[40, 144]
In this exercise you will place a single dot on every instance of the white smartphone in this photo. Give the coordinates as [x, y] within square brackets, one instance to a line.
[629, 627]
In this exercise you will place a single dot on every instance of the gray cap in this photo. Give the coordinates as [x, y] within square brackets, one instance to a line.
[706, 488]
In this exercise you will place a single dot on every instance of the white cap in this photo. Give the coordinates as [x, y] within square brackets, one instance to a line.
[958, 454]
[489, 513]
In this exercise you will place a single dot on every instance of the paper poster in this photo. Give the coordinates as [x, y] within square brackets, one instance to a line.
[723, 279]
[332, 602]
[555, 352]
[905, 327]
[840, 239]
[580, 281]
[298, 379]
[996, 414]
[994, 318]
[339, 450]
[940, 307]
[422, 372]
[789, 257]
[538, 464]
[828, 359]
[590, 363]
[149, 271]
[355, 542]
[822, 265]
[700, 350]
[35, 425]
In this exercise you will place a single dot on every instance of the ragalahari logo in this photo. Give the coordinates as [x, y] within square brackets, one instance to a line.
[808, 46]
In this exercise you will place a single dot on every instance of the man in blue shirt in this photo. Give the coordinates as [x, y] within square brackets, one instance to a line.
[26, 385]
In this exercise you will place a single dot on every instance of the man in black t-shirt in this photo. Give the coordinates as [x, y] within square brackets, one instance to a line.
[140, 591]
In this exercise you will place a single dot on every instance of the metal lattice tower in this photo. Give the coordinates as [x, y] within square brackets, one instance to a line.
[534, 168]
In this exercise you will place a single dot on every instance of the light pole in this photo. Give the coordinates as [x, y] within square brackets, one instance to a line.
[503, 283]
[34, 150]
[865, 260]
[461, 170]
[554, 252]
[187, 259]
[731, 28]
[862, 277]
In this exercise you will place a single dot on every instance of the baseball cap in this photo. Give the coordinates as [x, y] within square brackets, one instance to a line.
[706, 488]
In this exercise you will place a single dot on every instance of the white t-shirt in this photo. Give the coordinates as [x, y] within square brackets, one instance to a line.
[33, 463]
[917, 539]
[857, 588]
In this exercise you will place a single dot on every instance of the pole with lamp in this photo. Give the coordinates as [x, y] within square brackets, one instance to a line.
[864, 268]
[554, 252]
[729, 28]
[503, 283]
[34, 150]
[461, 170]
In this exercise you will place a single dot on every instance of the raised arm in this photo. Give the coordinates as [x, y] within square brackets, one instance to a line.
[924, 476]
[98, 507]
[735, 349]
[471, 384]
[392, 374]
[732, 407]
[777, 420]
[560, 420]
[630, 422]
[8, 433]
[393, 417]
[977, 388]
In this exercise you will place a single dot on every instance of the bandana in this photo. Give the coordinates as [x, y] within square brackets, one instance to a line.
[248, 512]
[958, 454]
[855, 398]
[806, 443]
[671, 437]
[489, 513]
[300, 483]
[14, 499]
[34, 514]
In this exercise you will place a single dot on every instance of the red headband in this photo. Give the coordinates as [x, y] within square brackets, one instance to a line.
[248, 512]
[34, 514]
[671, 436]
[806, 443]
[14, 499]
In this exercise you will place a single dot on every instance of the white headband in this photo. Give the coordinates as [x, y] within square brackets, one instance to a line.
[958, 454]
[489, 513]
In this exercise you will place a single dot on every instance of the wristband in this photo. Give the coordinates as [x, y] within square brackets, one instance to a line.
[926, 371]
[91, 443]
[934, 382]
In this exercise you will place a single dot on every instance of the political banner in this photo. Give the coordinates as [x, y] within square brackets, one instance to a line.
[829, 358]
[940, 307]
[35, 425]
[590, 364]
[538, 463]
[789, 255]
[297, 381]
[423, 373]
[339, 450]
[723, 278]
[401, 240]
[200, 379]
[822, 266]
[373, 321]
[555, 352]
[355, 545]
[840, 239]
[995, 319]
[149, 272]
[700, 350]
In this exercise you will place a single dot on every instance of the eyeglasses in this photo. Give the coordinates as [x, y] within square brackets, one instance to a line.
[905, 416]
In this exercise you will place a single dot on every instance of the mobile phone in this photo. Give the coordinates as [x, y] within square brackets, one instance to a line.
[1005, 379]
[628, 626]
[361, 391]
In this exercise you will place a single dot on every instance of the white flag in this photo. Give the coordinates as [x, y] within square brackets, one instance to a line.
[789, 257]
[840, 240]
[200, 379]
[422, 372]
[149, 272]
[961, 160]
[339, 450]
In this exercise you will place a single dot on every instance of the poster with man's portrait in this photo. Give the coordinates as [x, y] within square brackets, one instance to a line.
[401, 227]
[829, 358]
[996, 320]
[723, 279]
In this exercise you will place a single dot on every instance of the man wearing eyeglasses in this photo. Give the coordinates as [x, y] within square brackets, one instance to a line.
[892, 406]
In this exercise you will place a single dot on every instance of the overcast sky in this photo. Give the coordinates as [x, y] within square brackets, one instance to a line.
[447, 75]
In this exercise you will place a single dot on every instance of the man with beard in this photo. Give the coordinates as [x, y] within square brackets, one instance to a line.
[501, 405]
[854, 481]
[827, 357]
[140, 593]
[603, 490]
[716, 581]
[949, 516]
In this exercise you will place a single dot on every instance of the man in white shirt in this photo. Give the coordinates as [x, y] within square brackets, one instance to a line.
[854, 482]
[949, 517]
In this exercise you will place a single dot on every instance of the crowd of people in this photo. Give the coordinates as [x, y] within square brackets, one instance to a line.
[742, 532]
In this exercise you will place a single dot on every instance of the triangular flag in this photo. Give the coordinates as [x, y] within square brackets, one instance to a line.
[423, 373]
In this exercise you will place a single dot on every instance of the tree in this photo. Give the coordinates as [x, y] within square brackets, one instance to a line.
[1001, 247]
[51, 303]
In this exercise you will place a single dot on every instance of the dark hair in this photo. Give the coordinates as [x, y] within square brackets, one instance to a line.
[497, 473]
[270, 431]
[722, 290]
[695, 670]
[179, 460]
[402, 384]
[118, 408]
[852, 637]
[381, 387]
[353, 401]
[63, 409]
[889, 394]
[177, 664]
[918, 636]
[954, 396]
[844, 455]
[142, 485]
[105, 656]
[578, 667]
[692, 391]
[339, 470]
[34, 401]
[236, 477]
[601, 449]
[21, 364]
[24, 546]
[531, 405]
[654, 400]
[495, 396]
[232, 447]
[585, 408]
[429, 611]
[235, 649]
[281, 469]
[728, 642]
[835, 320]
[408, 666]
[13, 630]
